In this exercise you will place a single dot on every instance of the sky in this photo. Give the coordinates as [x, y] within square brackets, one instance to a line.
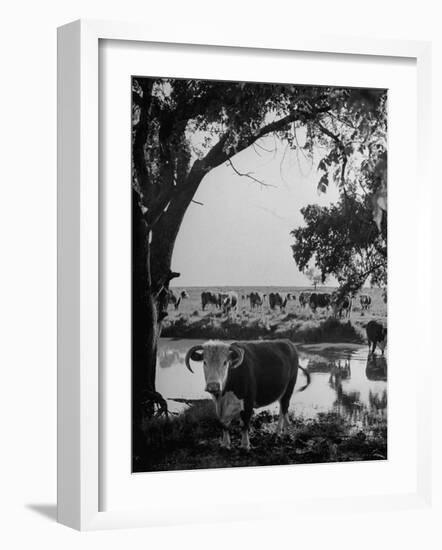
[240, 235]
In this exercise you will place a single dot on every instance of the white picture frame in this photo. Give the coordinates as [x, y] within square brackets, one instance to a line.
[79, 263]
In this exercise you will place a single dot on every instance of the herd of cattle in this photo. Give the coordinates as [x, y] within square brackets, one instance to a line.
[231, 301]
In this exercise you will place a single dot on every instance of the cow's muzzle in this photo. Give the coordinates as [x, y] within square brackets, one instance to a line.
[214, 388]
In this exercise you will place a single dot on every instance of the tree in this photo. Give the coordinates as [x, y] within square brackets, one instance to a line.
[314, 276]
[182, 129]
[343, 240]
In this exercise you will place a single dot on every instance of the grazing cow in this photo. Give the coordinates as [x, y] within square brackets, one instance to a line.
[175, 298]
[304, 298]
[209, 298]
[257, 299]
[319, 300]
[342, 305]
[245, 375]
[276, 299]
[365, 301]
[228, 301]
[376, 336]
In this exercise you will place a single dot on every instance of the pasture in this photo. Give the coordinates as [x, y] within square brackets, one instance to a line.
[300, 324]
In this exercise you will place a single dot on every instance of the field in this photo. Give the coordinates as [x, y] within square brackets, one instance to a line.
[300, 324]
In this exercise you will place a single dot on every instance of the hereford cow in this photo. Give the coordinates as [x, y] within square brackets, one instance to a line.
[342, 305]
[277, 299]
[209, 298]
[304, 298]
[243, 376]
[319, 300]
[376, 336]
[175, 298]
[365, 301]
[228, 301]
[257, 300]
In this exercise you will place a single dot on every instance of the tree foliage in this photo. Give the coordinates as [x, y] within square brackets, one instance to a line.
[343, 240]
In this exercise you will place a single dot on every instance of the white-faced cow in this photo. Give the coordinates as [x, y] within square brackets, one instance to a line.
[277, 299]
[376, 336]
[209, 298]
[176, 297]
[257, 300]
[342, 305]
[319, 300]
[365, 301]
[228, 301]
[304, 298]
[243, 376]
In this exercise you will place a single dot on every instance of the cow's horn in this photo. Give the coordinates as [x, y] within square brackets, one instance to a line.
[238, 356]
[190, 355]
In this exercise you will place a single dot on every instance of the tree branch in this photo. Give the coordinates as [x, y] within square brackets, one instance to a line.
[248, 175]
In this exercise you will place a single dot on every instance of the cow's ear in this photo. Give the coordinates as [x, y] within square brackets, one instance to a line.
[236, 356]
[197, 355]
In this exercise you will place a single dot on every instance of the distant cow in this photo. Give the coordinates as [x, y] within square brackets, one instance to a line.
[175, 298]
[319, 300]
[342, 305]
[376, 336]
[257, 299]
[365, 301]
[209, 298]
[228, 301]
[277, 299]
[247, 375]
[304, 298]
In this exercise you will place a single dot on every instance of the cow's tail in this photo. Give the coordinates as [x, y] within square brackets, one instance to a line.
[307, 375]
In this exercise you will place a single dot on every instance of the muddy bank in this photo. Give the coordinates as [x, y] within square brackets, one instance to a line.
[191, 441]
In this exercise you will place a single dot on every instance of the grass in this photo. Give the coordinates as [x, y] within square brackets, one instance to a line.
[191, 441]
[296, 323]
[245, 328]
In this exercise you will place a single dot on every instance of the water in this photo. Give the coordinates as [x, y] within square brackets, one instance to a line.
[343, 379]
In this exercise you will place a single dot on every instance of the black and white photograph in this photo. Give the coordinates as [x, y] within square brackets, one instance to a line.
[259, 274]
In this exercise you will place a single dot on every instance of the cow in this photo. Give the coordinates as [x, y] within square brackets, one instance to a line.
[304, 298]
[342, 305]
[257, 299]
[209, 298]
[175, 298]
[243, 376]
[228, 301]
[277, 299]
[319, 300]
[376, 336]
[365, 301]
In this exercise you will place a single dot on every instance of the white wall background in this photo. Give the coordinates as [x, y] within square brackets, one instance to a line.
[28, 270]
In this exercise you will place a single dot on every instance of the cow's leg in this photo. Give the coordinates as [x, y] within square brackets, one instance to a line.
[284, 403]
[225, 441]
[246, 415]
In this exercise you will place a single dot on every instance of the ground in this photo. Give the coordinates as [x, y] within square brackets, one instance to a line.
[191, 441]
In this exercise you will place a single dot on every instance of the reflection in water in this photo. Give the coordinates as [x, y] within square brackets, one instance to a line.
[376, 368]
[343, 380]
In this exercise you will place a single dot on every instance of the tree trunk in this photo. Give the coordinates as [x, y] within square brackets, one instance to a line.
[151, 274]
